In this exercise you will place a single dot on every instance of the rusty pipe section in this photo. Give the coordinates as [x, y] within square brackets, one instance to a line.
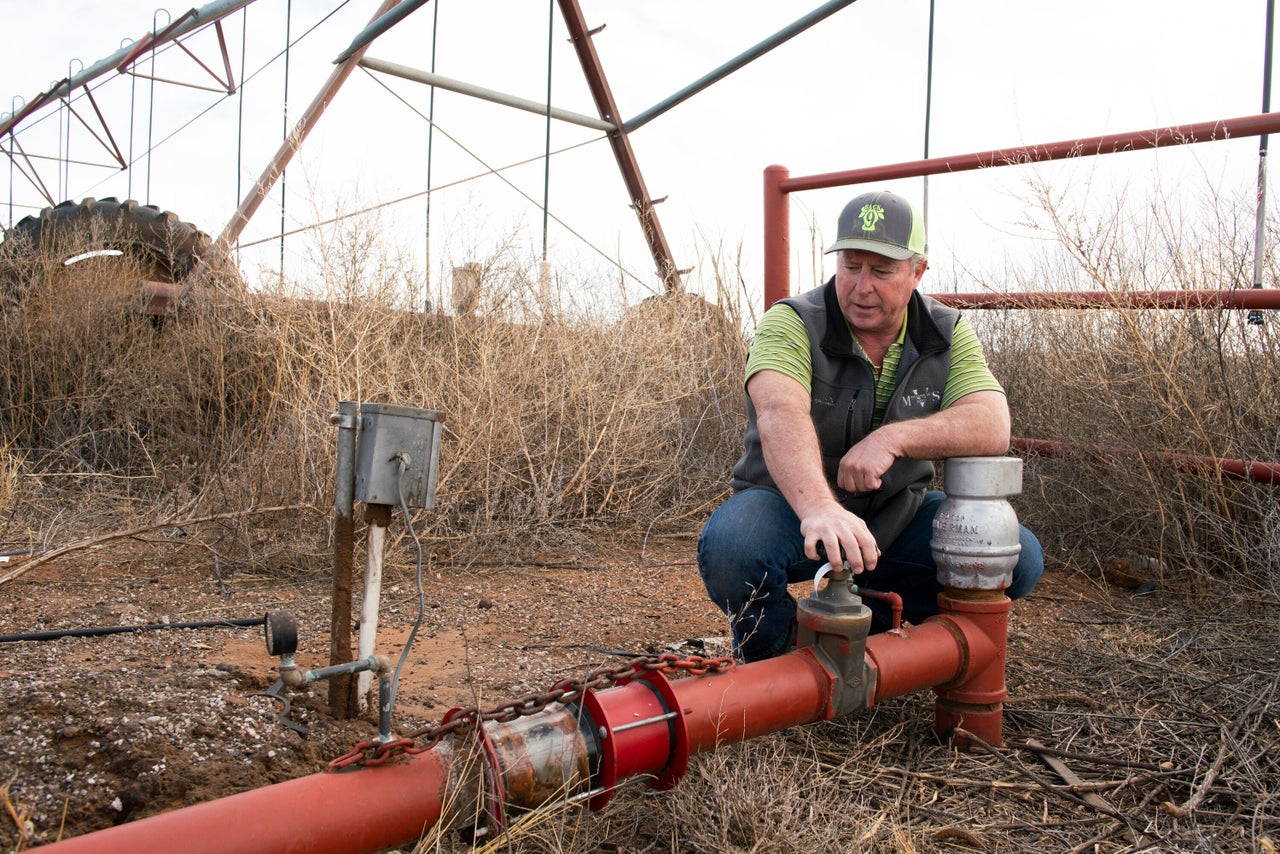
[1232, 469]
[646, 725]
[372, 809]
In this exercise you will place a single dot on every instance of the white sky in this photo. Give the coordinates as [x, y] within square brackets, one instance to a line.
[845, 94]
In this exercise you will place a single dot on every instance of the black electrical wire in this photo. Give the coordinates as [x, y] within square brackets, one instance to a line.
[116, 630]
[390, 700]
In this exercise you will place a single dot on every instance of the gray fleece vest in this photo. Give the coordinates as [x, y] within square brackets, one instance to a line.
[843, 400]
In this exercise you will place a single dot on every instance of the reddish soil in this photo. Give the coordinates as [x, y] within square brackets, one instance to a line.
[96, 731]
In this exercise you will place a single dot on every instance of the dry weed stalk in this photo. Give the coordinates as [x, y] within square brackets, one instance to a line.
[557, 422]
[1124, 387]
[565, 422]
[21, 818]
[11, 466]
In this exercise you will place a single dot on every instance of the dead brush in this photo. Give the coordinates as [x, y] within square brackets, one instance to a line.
[556, 422]
[1125, 388]
[97, 391]
[11, 466]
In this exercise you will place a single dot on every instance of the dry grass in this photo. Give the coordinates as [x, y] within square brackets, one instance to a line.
[572, 423]
[1126, 387]
[557, 425]
[11, 465]
[1150, 728]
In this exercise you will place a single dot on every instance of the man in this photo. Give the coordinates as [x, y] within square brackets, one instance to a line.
[852, 388]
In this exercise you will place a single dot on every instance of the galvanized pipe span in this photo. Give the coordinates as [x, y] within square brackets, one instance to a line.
[647, 725]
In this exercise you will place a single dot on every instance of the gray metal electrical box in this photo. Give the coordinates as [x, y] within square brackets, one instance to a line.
[397, 446]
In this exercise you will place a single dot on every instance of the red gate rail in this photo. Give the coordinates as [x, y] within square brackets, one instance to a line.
[1254, 470]
[777, 244]
[1236, 298]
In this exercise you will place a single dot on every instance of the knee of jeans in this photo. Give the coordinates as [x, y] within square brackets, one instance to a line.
[721, 548]
[1030, 566]
[717, 574]
[736, 583]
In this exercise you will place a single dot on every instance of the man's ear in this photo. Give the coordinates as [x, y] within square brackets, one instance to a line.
[919, 274]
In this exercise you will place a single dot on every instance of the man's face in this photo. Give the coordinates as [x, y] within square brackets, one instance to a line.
[874, 290]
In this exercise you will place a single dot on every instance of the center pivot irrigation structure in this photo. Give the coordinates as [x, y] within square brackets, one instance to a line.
[579, 741]
[75, 94]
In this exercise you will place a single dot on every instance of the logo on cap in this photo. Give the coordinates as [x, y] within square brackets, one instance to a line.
[871, 216]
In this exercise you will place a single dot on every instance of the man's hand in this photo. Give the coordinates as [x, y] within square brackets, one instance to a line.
[839, 532]
[975, 425]
[863, 465]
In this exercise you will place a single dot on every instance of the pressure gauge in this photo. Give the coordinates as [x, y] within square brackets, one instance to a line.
[281, 629]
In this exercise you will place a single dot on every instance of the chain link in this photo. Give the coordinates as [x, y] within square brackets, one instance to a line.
[567, 690]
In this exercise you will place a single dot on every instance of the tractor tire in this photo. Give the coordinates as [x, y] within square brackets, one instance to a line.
[155, 245]
[157, 237]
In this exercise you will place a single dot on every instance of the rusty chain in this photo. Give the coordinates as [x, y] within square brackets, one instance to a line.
[568, 690]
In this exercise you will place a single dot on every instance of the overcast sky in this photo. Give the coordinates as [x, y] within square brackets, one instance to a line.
[847, 93]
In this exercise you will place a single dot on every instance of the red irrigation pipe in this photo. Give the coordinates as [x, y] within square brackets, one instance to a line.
[1238, 298]
[644, 726]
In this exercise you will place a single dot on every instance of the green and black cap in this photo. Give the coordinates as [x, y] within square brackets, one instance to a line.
[880, 222]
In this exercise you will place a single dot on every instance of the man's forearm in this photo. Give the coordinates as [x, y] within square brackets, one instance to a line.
[794, 459]
[789, 441]
[975, 425]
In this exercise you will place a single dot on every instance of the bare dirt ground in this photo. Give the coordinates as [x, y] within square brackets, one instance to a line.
[96, 731]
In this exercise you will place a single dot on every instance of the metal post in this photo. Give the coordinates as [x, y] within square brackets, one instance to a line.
[777, 236]
[621, 145]
[1260, 233]
[928, 115]
[341, 698]
[378, 518]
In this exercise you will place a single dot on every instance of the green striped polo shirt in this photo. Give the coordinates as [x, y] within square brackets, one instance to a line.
[782, 344]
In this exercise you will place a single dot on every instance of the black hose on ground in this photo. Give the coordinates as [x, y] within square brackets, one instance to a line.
[115, 630]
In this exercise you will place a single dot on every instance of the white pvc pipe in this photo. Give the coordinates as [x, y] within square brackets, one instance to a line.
[369, 608]
[439, 81]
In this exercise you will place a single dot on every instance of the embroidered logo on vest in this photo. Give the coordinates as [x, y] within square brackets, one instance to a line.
[921, 399]
[871, 215]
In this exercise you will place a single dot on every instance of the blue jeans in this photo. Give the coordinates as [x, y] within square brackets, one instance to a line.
[751, 549]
